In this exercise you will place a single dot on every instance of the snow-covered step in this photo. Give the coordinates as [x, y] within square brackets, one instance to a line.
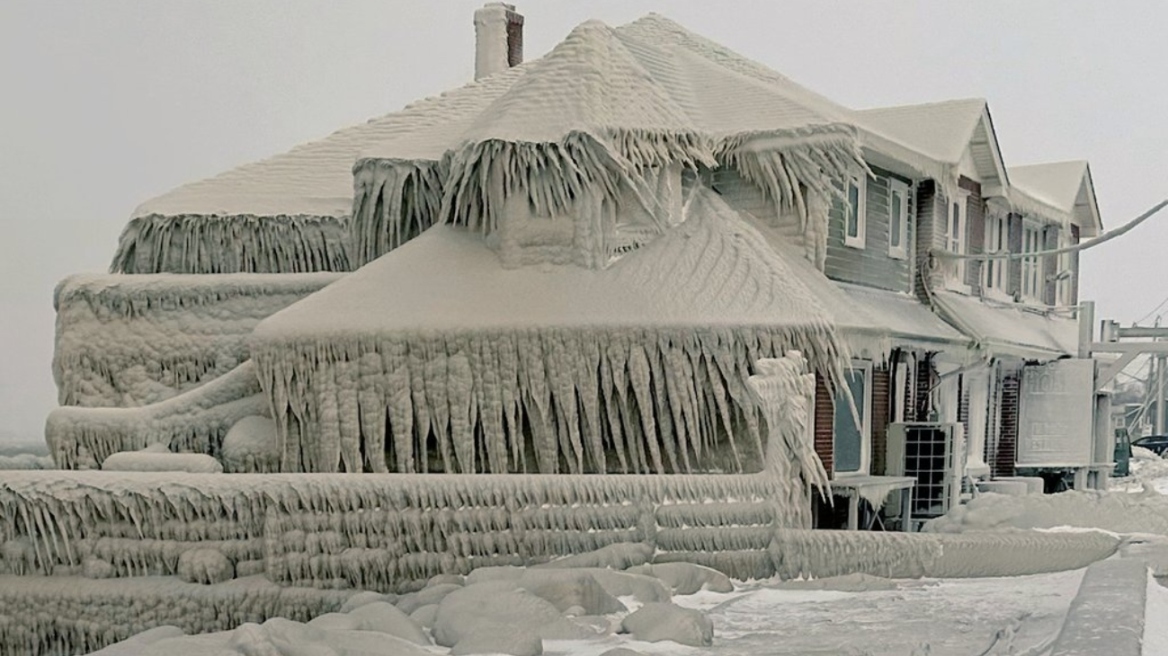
[1107, 616]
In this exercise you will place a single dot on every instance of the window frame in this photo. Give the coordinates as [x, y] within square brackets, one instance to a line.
[898, 251]
[1032, 284]
[865, 467]
[995, 271]
[860, 181]
[957, 242]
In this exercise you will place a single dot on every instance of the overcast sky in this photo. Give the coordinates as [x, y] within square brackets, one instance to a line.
[105, 104]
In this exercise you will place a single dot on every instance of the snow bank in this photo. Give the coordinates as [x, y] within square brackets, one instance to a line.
[820, 553]
[1118, 512]
[134, 340]
[195, 421]
[245, 243]
[148, 460]
[65, 615]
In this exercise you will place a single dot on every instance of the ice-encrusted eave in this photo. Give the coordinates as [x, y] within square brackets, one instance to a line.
[587, 395]
[234, 243]
[553, 175]
[394, 200]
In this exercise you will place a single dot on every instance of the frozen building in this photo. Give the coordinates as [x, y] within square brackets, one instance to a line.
[571, 264]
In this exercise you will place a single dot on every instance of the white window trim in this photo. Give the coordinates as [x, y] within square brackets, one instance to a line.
[866, 424]
[955, 275]
[861, 182]
[898, 187]
[1000, 289]
[1032, 268]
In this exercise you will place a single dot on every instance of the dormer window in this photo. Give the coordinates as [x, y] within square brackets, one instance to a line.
[898, 220]
[855, 219]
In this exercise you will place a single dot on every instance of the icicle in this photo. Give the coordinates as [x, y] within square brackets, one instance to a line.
[372, 396]
[459, 381]
[639, 379]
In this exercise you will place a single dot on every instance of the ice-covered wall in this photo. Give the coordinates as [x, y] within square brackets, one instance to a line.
[195, 421]
[546, 400]
[127, 341]
[63, 616]
[241, 243]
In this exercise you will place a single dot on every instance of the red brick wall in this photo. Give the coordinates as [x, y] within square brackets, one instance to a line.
[881, 410]
[1002, 462]
[824, 426]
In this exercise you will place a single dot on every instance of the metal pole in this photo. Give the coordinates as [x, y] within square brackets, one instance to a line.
[1086, 327]
[1160, 395]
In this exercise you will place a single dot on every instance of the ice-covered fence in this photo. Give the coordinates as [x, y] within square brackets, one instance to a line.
[819, 554]
[372, 530]
[195, 421]
[133, 340]
[62, 616]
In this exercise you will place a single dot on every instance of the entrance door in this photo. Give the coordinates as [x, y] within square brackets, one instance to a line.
[853, 443]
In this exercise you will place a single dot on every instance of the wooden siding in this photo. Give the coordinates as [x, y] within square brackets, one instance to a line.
[871, 265]
[744, 196]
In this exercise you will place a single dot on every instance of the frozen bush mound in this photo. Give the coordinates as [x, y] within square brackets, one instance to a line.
[1118, 512]
[205, 566]
[251, 445]
[158, 458]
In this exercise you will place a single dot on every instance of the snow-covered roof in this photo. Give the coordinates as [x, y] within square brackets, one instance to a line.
[457, 283]
[1065, 186]
[944, 131]
[1005, 329]
[315, 178]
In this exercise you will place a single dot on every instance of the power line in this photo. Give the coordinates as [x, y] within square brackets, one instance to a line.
[1105, 237]
[1162, 303]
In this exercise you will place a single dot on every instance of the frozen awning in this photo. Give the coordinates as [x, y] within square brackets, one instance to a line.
[901, 318]
[1009, 330]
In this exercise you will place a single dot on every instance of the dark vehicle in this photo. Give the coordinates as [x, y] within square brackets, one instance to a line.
[1155, 443]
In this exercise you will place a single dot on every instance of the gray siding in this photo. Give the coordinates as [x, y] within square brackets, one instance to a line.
[974, 233]
[870, 265]
[744, 196]
[930, 217]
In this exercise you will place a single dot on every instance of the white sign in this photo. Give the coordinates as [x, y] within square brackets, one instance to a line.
[1055, 420]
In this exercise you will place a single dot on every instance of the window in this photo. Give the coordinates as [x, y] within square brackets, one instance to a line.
[955, 236]
[898, 220]
[852, 443]
[995, 270]
[855, 218]
[1031, 266]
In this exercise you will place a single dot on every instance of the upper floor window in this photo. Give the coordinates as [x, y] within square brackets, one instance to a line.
[855, 219]
[995, 270]
[955, 235]
[898, 219]
[1032, 281]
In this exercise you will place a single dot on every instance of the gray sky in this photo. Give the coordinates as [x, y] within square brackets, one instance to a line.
[108, 103]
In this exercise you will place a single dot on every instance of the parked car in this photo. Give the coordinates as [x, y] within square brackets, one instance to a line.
[1158, 444]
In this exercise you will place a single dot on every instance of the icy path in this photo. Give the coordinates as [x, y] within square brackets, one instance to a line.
[957, 617]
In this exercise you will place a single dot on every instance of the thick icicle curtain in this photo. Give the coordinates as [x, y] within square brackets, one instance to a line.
[193, 243]
[571, 400]
[395, 200]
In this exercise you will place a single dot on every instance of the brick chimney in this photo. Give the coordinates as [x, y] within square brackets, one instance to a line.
[498, 39]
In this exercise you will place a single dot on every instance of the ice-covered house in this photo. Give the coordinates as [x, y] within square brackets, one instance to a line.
[1018, 312]
[584, 172]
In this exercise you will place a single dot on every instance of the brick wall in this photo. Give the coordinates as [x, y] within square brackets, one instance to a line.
[1050, 265]
[924, 385]
[824, 426]
[927, 234]
[1014, 243]
[1002, 462]
[881, 411]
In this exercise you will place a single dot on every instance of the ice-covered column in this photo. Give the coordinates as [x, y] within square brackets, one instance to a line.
[498, 39]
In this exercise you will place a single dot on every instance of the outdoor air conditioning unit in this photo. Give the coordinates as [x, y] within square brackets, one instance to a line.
[933, 454]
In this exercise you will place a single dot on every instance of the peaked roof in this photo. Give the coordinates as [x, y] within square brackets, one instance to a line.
[315, 178]
[1066, 186]
[458, 283]
[944, 131]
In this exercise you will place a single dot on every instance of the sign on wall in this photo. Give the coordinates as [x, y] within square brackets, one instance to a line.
[1055, 420]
